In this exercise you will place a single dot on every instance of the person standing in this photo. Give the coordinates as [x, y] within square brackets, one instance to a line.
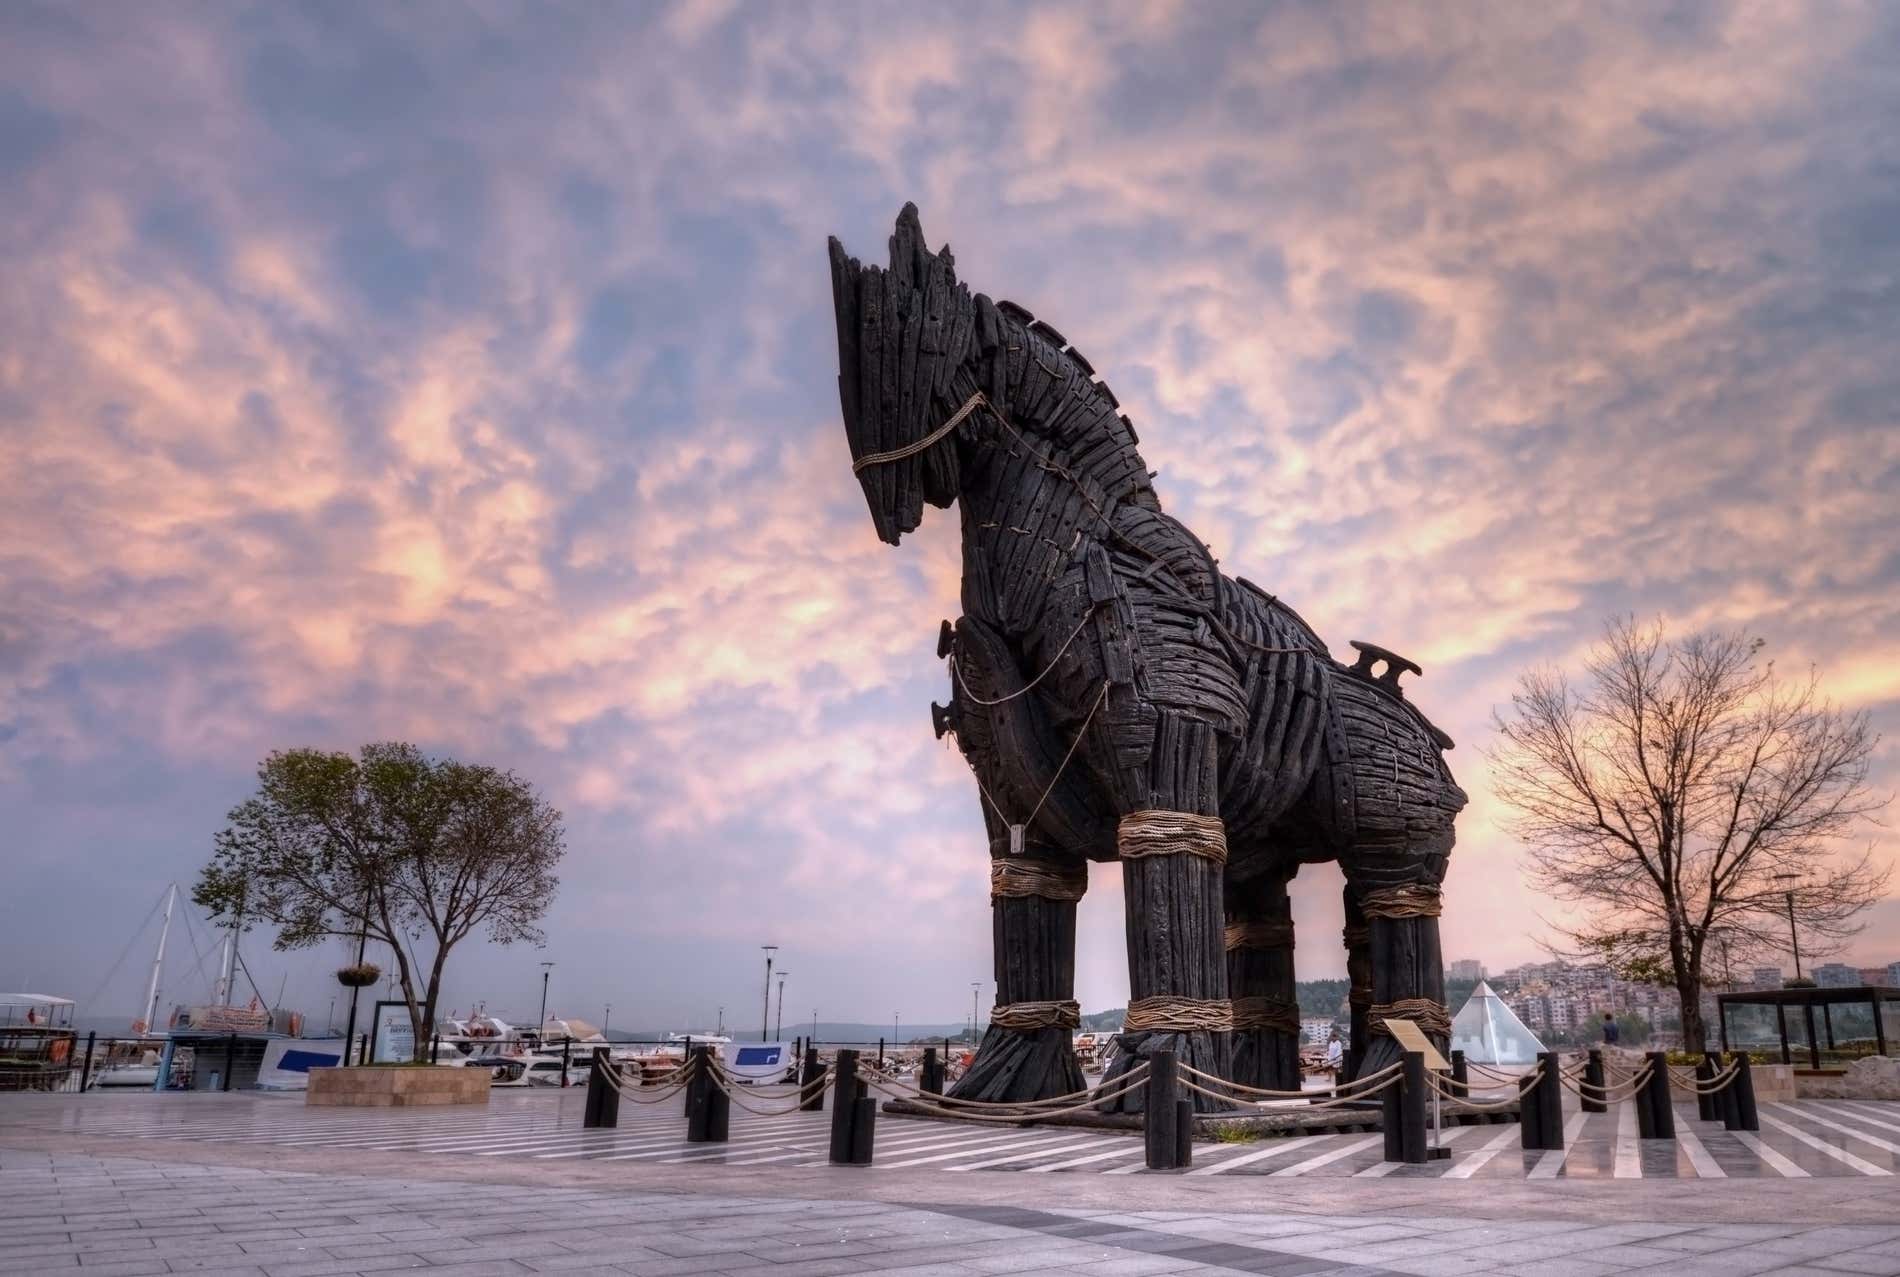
[1610, 1031]
[1335, 1054]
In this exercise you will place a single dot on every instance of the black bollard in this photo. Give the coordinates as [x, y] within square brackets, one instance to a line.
[930, 1079]
[1161, 1114]
[1413, 1123]
[1530, 1121]
[698, 1085]
[718, 1113]
[1663, 1098]
[567, 1058]
[1745, 1094]
[230, 1058]
[1551, 1111]
[1392, 1121]
[812, 1100]
[880, 1055]
[603, 1097]
[844, 1105]
[1728, 1104]
[1591, 1100]
[1460, 1073]
[863, 1129]
[85, 1070]
[1183, 1134]
[1706, 1107]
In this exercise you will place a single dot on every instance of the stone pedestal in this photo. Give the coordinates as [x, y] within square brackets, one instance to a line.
[397, 1086]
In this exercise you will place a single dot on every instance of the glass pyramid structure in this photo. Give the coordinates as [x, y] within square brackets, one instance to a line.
[1488, 1032]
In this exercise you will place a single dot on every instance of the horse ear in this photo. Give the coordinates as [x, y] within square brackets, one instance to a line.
[910, 256]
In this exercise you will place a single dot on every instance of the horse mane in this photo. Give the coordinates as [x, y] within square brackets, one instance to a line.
[1051, 389]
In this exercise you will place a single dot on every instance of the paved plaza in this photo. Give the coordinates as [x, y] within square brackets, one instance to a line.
[1803, 1140]
[260, 1186]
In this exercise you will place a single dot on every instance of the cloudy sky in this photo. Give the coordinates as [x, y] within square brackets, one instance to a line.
[464, 374]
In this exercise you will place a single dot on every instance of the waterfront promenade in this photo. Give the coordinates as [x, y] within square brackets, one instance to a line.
[261, 1186]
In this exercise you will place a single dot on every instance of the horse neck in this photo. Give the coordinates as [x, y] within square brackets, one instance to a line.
[1056, 457]
[1052, 405]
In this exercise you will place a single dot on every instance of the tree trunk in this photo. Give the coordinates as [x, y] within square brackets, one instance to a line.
[1695, 1032]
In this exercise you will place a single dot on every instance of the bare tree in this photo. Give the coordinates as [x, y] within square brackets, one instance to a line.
[1680, 795]
[392, 846]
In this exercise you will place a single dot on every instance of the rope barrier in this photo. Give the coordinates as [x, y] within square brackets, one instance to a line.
[1137, 1074]
[1447, 1090]
[1264, 1106]
[1128, 1082]
[1339, 1091]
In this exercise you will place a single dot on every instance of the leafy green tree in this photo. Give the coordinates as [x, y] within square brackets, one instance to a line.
[392, 846]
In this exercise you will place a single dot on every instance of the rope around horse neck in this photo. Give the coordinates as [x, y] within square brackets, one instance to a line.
[912, 449]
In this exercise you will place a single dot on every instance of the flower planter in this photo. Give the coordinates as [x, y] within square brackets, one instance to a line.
[396, 1086]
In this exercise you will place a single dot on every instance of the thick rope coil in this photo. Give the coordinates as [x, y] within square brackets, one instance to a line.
[1062, 1014]
[912, 449]
[1171, 833]
[1355, 937]
[1178, 1015]
[1017, 878]
[1414, 900]
[1431, 1017]
[1277, 1014]
[1260, 933]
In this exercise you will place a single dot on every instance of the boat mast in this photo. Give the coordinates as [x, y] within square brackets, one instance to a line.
[158, 960]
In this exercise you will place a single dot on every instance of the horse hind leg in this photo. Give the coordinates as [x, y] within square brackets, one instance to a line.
[1259, 942]
[1399, 898]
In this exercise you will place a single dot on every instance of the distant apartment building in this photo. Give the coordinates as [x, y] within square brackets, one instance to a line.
[1465, 971]
[1879, 977]
[1765, 978]
[1893, 973]
[1836, 975]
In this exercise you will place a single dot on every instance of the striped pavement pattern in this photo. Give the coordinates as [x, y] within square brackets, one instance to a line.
[1808, 1139]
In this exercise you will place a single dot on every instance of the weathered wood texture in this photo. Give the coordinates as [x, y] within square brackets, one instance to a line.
[1034, 940]
[1101, 640]
[1406, 963]
[1263, 1057]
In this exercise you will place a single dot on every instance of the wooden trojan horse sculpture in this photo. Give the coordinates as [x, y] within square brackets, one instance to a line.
[1117, 697]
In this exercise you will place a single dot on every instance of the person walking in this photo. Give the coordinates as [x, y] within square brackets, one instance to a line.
[1610, 1032]
[1335, 1054]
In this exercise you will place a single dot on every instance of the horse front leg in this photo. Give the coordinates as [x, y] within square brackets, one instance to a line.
[1173, 855]
[1028, 1051]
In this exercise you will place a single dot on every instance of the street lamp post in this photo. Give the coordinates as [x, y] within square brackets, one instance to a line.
[1794, 937]
[541, 1025]
[975, 986]
[778, 1025]
[765, 1017]
[606, 1018]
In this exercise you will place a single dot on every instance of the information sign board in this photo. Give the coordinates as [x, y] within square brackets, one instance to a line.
[1409, 1038]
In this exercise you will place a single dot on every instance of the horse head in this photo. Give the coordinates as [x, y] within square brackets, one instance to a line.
[906, 334]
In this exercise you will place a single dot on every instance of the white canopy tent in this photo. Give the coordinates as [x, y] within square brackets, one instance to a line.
[1489, 1032]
